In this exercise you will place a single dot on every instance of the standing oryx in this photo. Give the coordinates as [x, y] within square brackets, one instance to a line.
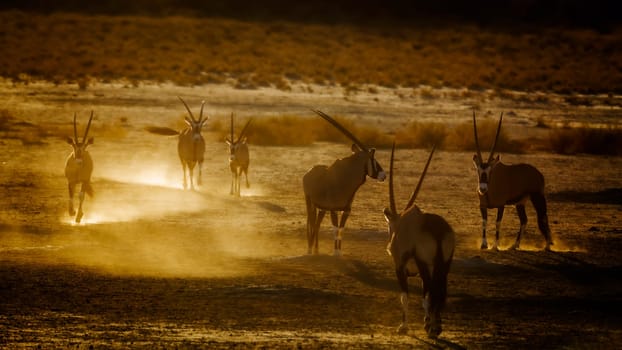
[79, 167]
[332, 188]
[429, 242]
[501, 185]
[191, 145]
[238, 158]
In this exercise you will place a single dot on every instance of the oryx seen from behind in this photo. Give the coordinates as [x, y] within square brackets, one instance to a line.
[500, 185]
[190, 146]
[238, 158]
[426, 240]
[79, 167]
[332, 188]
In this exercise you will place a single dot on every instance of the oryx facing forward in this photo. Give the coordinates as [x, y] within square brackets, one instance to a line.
[429, 242]
[79, 167]
[501, 185]
[191, 145]
[332, 188]
[238, 158]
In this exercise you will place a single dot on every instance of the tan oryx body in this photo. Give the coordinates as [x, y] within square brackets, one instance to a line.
[190, 145]
[500, 185]
[420, 243]
[79, 167]
[332, 188]
[238, 158]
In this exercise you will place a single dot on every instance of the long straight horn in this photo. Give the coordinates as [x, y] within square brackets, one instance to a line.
[391, 192]
[243, 132]
[88, 126]
[75, 128]
[342, 129]
[232, 138]
[201, 113]
[187, 108]
[492, 150]
[425, 170]
[479, 153]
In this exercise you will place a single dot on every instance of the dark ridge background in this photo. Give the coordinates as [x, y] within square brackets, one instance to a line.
[595, 14]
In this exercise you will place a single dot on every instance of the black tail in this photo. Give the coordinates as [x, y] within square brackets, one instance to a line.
[539, 203]
[438, 288]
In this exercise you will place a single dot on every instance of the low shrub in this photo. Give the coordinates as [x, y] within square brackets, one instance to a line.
[603, 141]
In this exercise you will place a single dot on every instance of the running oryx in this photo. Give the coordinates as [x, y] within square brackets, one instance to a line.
[332, 188]
[191, 145]
[79, 167]
[426, 240]
[501, 185]
[238, 158]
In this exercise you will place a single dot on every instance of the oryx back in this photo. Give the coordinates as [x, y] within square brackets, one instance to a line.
[511, 184]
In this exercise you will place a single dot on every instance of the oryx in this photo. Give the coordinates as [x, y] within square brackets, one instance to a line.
[79, 167]
[332, 188]
[500, 185]
[191, 145]
[426, 240]
[238, 158]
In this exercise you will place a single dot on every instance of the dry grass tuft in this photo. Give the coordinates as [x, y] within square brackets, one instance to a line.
[603, 141]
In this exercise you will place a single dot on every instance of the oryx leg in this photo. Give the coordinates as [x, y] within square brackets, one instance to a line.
[233, 176]
[342, 225]
[311, 216]
[500, 211]
[334, 219]
[191, 175]
[316, 230]
[199, 181]
[522, 216]
[71, 188]
[183, 166]
[246, 177]
[402, 279]
[484, 212]
[81, 197]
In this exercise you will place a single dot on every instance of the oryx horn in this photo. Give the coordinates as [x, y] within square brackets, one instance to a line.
[88, 126]
[232, 136]
[75, 128]
[187, 108]
[391, 192]
[425, 170]
[492, 150]
[201, 113]
[244, 130]
[341, 128]
[479, 153]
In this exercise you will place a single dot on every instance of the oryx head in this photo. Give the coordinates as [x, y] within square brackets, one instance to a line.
[79, 147]
[373, 169]
[195, 125]
[391, 214]
[484, 168]
[233, 143]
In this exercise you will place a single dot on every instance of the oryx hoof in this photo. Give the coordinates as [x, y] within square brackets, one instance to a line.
[72, 212]
[337, 252]
[79, 217]
[402, 329]
[515, 246]
[434, 332]
[495, 247]
[484, 245]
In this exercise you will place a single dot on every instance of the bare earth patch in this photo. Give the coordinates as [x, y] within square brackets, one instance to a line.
[155, 266]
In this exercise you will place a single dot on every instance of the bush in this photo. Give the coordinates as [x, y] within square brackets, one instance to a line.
[605, 141]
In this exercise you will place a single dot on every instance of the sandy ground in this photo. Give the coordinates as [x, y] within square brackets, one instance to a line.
[153, 265]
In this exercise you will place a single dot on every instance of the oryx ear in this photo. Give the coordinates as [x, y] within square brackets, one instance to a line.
[69, 140]
[90, 141]
[188, 121]
[372, 152]
[475, 158]
[355, 148]
[228, 141]
[497, 158]
[243, 140]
